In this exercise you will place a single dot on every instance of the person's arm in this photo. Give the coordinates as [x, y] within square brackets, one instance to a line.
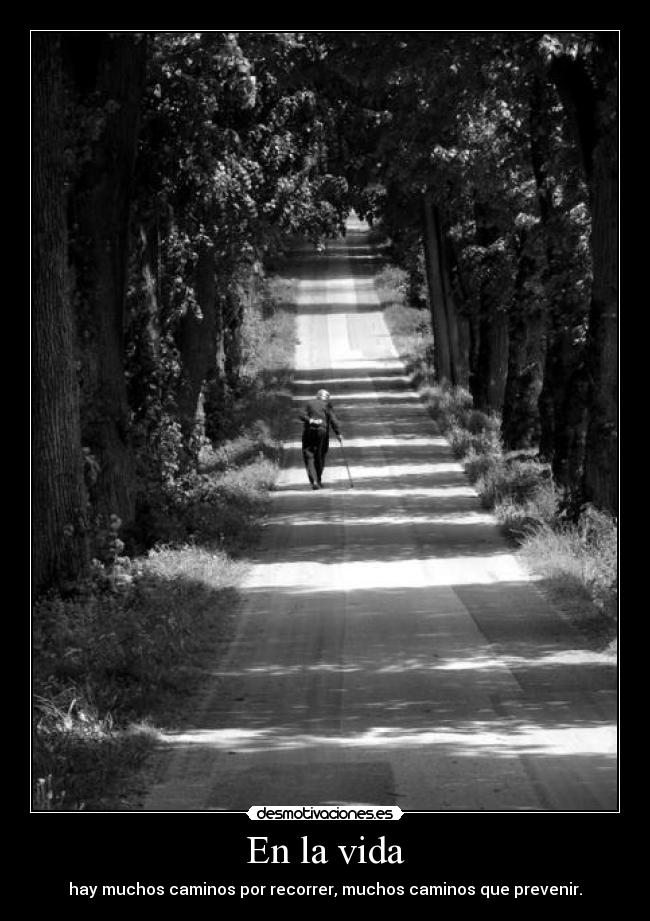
[311, 417]
[305, 414]
[334, 422]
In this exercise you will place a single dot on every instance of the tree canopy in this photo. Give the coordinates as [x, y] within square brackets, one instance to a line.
[172, 168]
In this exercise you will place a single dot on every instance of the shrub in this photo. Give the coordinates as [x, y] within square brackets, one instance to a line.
[599, 534]
[572, 561]
[539, 510]
[110, 654]
[77, 754]
[483, 468]
[391, 283]
[449, 406]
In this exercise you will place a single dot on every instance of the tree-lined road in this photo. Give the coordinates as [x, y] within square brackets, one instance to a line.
[390, 650]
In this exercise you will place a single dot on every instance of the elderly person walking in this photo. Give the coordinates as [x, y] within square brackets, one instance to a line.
[317, 418]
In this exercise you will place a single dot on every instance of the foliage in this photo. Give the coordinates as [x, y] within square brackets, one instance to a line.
[573, 563]
[232, 164]
[476, 121]
[248, 138]
[109, 655]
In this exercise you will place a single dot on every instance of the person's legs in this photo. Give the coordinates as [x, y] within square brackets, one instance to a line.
[320, 453]
[309, 457]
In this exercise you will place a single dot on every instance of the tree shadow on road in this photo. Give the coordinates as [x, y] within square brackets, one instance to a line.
[511, 694]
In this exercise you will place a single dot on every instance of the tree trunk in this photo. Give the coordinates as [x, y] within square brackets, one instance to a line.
[526, 347]
[591, 100]
[441, 345]
[601, 450]
[232, 320]
[58, 496]
[493, 360]
[575, 412]
[107, 73]
[216, 395]
[521, 416]
[562, 407]
[468, 326]
[546, 406]
[474, 352]
[198, 346]
[492, 363]
[563, 399]
[459, 335]
[144, 323]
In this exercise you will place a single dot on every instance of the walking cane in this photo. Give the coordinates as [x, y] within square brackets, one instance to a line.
[346, 463]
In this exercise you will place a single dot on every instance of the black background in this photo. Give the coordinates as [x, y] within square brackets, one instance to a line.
[596, 851]
[453, 848]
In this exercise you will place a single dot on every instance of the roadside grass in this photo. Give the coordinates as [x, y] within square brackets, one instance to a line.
[126, 649]
[577, 561]
[118, 658]
[580, 571]
[410, 327]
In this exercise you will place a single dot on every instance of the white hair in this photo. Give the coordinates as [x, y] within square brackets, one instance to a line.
[322, 395]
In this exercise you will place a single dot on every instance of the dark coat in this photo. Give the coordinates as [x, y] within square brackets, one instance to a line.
[317, 418]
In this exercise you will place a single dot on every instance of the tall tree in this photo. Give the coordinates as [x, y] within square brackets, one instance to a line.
[526, 337]
[584, 69]
[59, 500]
[232, 153]
[565, 277]
[106, 80]
[443, 357]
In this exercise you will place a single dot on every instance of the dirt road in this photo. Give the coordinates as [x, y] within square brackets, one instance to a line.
[390, 651]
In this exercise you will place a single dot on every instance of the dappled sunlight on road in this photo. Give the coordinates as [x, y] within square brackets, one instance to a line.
[308, 577]
[470, 660]
[390, 647]
[566, 657]
[459, 519]
[471, 739]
